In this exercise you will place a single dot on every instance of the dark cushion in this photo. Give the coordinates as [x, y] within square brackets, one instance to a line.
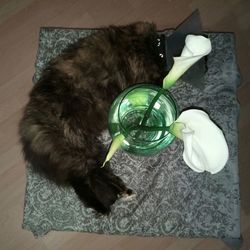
[171, 198]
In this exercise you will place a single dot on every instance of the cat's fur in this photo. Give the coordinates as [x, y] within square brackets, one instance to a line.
[68, 109]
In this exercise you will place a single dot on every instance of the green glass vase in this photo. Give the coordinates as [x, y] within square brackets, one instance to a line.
[129, 116]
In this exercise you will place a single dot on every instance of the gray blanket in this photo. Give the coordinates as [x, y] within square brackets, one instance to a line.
[171, 198]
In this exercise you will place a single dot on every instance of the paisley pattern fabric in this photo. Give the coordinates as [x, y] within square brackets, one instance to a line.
[171, 199]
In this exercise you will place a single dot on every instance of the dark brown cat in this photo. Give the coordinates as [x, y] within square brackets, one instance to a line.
[68, 108]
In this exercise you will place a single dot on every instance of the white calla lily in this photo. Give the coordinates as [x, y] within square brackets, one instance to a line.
[205, 147]
[195, 48]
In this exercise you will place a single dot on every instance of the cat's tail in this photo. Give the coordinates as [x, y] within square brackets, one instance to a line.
[99, 189]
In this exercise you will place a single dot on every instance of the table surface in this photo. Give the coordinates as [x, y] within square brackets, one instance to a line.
[171, 198]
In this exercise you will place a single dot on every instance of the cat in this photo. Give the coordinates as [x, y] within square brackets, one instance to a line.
[68, 109]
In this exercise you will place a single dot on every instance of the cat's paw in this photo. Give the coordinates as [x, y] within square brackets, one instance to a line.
[128, 195]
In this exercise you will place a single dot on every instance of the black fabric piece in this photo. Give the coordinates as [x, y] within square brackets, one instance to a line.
[161, 47]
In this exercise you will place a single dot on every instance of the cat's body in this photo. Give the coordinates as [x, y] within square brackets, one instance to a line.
[68, 109]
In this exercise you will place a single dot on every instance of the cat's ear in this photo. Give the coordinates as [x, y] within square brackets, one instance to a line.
[144, 27]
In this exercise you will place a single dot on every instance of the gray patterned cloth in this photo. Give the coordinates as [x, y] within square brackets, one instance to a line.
[171, 200]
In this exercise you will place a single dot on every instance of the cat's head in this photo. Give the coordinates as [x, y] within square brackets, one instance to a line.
[143, 28]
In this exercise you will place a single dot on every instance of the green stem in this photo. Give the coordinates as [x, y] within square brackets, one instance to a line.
[148, 111]
[150, 107]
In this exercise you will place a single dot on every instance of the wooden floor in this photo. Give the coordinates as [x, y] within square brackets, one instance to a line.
[20, 21]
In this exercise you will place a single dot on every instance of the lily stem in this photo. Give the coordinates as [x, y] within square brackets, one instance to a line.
[150, 107]
[148, 112]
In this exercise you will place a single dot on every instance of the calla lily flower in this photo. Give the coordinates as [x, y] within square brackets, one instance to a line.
[195, 48]
[205, 147]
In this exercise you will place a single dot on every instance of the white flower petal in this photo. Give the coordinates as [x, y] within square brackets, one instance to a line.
[207, 149]
[196, 45]
[181, 65]
[189, 155]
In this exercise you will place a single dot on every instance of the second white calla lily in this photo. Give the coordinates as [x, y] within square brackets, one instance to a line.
[205, 147]
[195, 48]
